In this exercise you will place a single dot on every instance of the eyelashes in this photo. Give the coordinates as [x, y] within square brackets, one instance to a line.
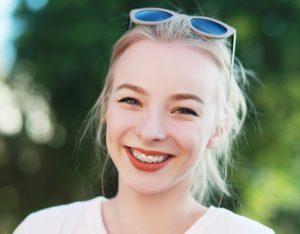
[181, 110]
[130, 101]
[186, 111]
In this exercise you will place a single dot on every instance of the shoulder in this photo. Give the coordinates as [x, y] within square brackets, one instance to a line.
[56, 219]
[236, 223]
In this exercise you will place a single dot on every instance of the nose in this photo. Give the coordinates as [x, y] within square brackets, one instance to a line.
[152, 127]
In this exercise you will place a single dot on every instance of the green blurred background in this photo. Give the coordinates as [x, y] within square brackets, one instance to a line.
[51, 72]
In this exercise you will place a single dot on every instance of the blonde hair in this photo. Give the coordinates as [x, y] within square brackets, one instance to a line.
[210, 173]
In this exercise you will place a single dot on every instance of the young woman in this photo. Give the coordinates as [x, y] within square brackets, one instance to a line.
[170, 109]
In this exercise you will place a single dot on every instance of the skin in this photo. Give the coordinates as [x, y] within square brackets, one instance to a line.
[159, 202]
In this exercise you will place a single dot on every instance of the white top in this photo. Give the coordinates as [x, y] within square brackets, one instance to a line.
[84, 217]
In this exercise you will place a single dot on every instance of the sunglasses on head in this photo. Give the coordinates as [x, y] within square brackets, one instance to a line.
[201, 25]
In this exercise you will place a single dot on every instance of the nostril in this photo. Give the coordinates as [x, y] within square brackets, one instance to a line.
[152, 136]
[152, 130]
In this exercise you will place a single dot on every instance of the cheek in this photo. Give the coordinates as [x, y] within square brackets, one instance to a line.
[119, 121]
[188, 140]
[192, 140]
[191, 136]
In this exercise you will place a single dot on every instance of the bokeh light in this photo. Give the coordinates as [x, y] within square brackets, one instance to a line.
[36, 5]
[39, 126]
[10, 115]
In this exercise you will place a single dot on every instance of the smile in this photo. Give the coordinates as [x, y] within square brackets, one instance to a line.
[148, 158]
[152, 161]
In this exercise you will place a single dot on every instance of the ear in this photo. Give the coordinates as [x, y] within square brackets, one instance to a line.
[213, 140]
[219, 132]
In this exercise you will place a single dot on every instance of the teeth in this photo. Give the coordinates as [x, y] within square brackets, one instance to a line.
[145, 158]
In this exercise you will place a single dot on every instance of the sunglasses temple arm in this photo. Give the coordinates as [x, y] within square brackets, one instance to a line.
[233, 43]
[233, 53]
[129, 24]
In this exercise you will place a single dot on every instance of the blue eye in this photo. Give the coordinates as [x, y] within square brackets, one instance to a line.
[130, 101]
[186, 111]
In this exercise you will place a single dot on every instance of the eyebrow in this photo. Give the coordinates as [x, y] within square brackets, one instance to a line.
[178, 96]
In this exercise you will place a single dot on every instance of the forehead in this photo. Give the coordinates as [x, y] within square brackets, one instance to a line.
[168, 68]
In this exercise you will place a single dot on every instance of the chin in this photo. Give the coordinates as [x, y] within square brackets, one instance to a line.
[146, 188]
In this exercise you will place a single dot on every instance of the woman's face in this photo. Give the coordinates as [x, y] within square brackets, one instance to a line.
[163, 99]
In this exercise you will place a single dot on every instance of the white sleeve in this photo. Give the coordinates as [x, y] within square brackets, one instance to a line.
[59, 219]
[25, 227]
[265, 230]
[232, 223]
[77, 217]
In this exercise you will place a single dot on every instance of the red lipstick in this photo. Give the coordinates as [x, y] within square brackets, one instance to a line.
[146, 166]
[151, 152]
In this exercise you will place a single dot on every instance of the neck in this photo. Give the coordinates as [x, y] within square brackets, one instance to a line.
[170, 211]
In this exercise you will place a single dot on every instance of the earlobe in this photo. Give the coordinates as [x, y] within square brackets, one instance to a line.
[210, 144]
[220, 132]
[213, 141]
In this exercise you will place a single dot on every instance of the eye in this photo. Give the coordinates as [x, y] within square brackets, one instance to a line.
[186, 111]
[130, 101]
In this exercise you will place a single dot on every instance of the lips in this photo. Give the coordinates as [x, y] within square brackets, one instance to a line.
[150, 152]
[145, 166]
[148, 158]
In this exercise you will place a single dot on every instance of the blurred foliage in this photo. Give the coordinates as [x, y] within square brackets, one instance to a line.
[62, 57]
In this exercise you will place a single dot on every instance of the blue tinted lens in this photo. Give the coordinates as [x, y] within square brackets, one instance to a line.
[152, 15]
[208, 26]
